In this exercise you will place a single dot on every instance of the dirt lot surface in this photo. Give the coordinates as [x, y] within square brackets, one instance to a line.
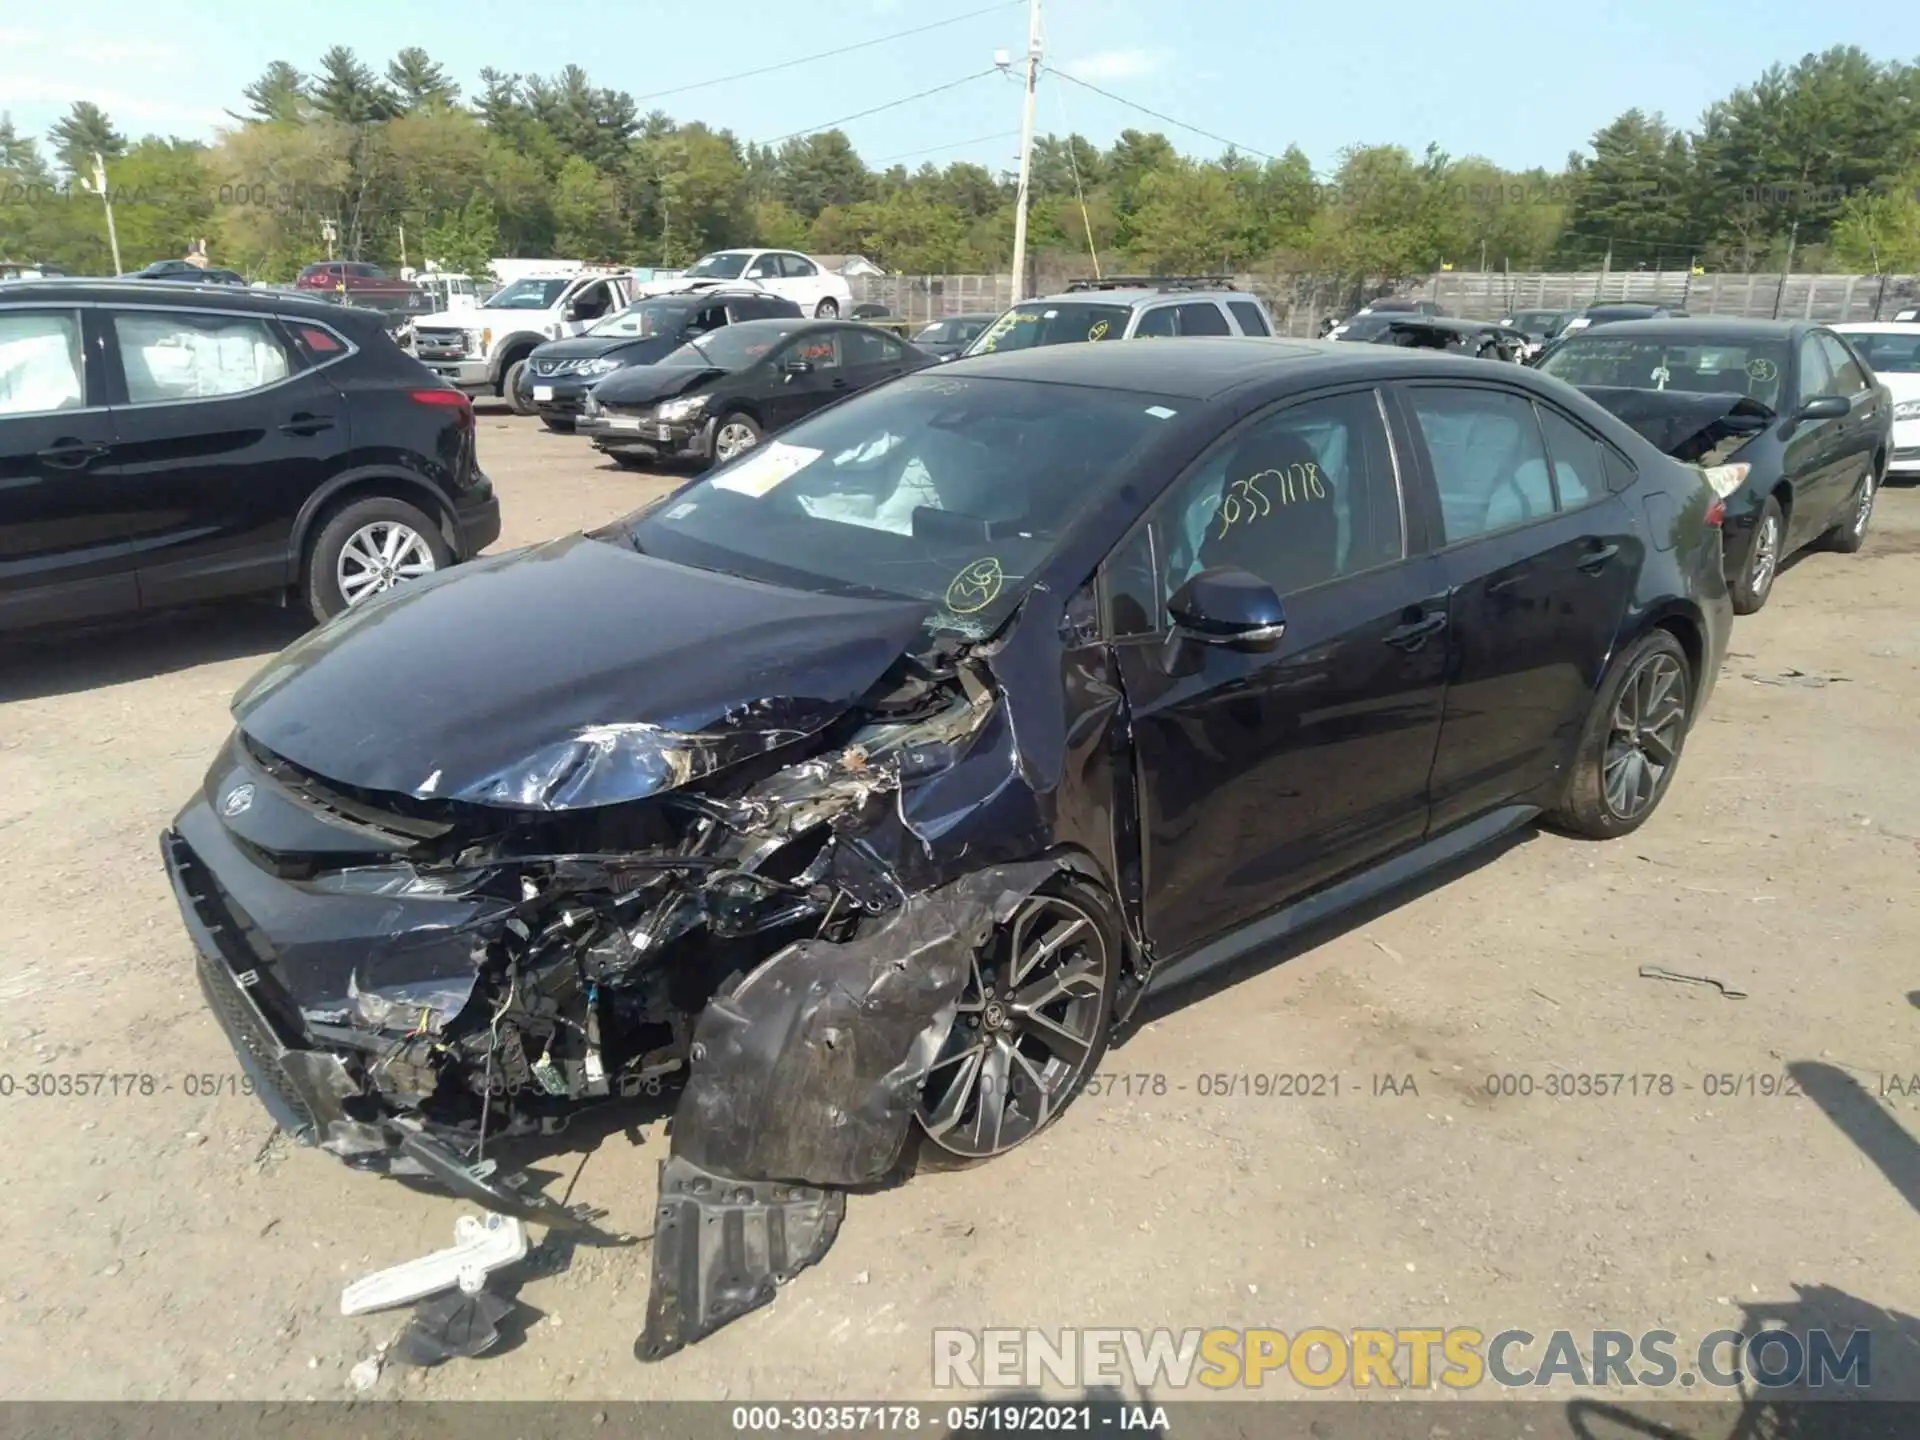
[167, 1246]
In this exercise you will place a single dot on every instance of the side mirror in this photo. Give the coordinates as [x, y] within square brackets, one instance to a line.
[1228, 606]
[1824, 407]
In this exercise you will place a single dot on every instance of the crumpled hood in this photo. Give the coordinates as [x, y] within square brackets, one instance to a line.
[644, 384]
[1679, 422]
[567, 675]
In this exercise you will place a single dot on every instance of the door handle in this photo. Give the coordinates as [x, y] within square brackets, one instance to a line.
[305, 424]
[1594, 561]
[840, 383]
[71, 454]
[1411, 637]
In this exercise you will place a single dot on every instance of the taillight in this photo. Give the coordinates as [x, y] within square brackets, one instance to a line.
[456, 398]
[1717, 513]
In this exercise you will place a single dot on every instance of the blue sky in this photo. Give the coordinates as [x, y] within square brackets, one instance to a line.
[1521, 84]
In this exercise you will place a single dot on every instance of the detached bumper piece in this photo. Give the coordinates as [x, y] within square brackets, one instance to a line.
[722, 1246]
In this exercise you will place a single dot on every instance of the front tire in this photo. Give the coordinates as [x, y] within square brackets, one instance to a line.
[510, 389]
[734, 436]
[367, 549]
[827, 310]
[1632, 741]
[1762, 567]
[1032, 1025]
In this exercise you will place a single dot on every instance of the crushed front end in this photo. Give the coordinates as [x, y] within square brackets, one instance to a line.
[409, 980]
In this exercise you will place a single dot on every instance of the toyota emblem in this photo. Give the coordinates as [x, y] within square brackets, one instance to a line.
[238, 799]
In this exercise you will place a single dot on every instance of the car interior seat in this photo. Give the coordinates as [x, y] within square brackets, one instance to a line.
[1276, 517]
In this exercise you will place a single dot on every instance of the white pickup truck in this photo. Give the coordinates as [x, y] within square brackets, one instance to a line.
[482, 350]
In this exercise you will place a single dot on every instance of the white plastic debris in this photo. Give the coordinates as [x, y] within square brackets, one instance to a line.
[481, 1246]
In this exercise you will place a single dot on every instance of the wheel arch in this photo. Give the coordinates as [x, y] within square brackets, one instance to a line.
[1684, 621]
[366, 483]
[515, 347]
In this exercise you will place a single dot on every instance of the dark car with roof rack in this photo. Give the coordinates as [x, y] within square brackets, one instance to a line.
[1127, 307]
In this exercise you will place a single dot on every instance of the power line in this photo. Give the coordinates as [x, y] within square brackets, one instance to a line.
[1164, 119]
[890, 105]
[830, 54]
[956, 145]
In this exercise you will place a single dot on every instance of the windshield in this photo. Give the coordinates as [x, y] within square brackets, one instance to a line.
[1753, 367]
[949, 491]
[726, 265]
[733, 348]
[1888, 354]
[528, 295]
[1536, 322]
[953, 332]
[648, 318]
[1369, 327]
[1051, 322]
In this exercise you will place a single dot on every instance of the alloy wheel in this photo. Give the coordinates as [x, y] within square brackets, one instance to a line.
[1766, 556]
[378, 557]
[1649, 723]
[734, 439]
[1027, 1029]
[1863, 507]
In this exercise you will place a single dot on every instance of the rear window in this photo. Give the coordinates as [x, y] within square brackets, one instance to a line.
[1051, 322]
[1252, 322]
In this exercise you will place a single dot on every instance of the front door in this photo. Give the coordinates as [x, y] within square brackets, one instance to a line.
[1859, 432]
[65, 526]
[806, 375]
[1539, 559]
[1815, 450]
[1265, 775]
[226, 432]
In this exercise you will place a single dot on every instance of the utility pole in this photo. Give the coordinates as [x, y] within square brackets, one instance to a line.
[1793, 238]
[100, 184]
[1026, 153]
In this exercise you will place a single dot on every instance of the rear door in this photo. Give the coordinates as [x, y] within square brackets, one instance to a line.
[1814, 452]
[1251, 321]
[1539, 559]
[223, 429]
[66, 529]
[1862, 432]
[871, 356]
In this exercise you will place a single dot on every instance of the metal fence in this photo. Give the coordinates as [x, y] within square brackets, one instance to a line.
[1300, 302]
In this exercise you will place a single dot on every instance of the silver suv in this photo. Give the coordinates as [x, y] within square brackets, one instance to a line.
[1127, 307]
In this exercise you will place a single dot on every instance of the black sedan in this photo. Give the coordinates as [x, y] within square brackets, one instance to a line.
[718, 395]
[184, 272]
[870, 781]
[1794, 433]
[1481, 339]
[945, 339]
[559, 374]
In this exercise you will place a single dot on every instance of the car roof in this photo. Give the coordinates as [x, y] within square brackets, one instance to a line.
[1709, 327]
[1203, 367]
[145, 292]
[1878, 327]
[1132, 296]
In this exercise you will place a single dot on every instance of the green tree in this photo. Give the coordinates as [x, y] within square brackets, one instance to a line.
[1634, 194]
[815, 171]
[586, 213]
[345, 89]
[1189, 219]
[165, 201]
[279, 95]
[83, 132]
[419, 82]
[1879, 234]
[465, 240]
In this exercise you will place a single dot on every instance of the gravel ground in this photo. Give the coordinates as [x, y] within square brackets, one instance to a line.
[168, 1246]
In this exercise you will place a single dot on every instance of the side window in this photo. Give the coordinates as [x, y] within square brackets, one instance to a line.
[870, 347]
[317, 343]
[714, 317]
[1815, 378]
[820, 351]
[593, 302]
[1302, 495]
[1158, 323]
[1201, 317]
[1489, 461]
[187, 356]
[41, 364]
[1252, 322]
[798, 267]
[766, 267]
[1848, 378]
[1579, 460]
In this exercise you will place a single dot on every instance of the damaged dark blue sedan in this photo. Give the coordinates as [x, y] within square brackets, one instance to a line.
[870, 781]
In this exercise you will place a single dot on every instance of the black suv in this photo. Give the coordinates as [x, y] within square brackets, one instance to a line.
[160, 444]
[560, 373]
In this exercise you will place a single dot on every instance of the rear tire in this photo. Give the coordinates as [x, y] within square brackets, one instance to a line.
[629, 462]
[510, 389]
[827, 310]
[1632, 742]
[1851, 533]
[1762, 565]
[370, 527]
